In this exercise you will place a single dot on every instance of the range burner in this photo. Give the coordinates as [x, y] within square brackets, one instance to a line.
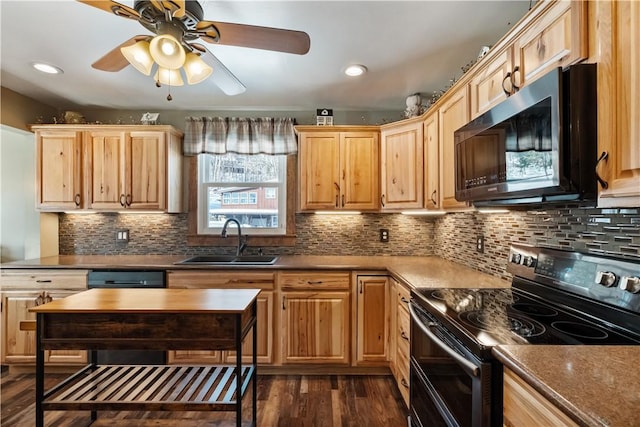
[580, 330]
[535, 310]
[487, 321]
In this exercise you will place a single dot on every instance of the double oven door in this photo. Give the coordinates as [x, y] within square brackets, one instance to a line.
[449, 386]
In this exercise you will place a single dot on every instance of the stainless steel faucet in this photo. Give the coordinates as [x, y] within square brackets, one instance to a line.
[241, 244]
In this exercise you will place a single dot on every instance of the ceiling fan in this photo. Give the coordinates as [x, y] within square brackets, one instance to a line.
[177, 25]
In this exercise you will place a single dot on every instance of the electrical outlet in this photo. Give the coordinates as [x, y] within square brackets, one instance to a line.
[384, 235]
[122, 236]
[480, 244]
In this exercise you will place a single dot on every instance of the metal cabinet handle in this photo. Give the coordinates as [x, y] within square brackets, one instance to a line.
[403, 335]
[361, 286]
[604, 156]
[128, 199]
[506, 77]
[336, 200]
[317, 282]
[404, 383]
[464, 363]
[433, 198]
[382, 200]
[404, 300]
[514, 86]
[77, 199]
[283, 306]
[343, 200]
[122, 200]
[43, 281]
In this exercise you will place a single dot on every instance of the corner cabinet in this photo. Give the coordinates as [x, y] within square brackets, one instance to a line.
[23, 289]
[109, 168]
[402, 166]
[617, 27]
[338, 168]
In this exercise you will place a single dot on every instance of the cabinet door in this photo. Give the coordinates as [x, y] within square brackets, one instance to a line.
[454, 114]
[524, 406]
[59, 170]
[359, 177]
[402, 167]
[619, 106]
[557, 39]
[106, 149]
[489, 83]
[318, 171]
[373, 318]
[315, 327]
[19, 335]
[432, 191]
[264, 321]
[145, 170]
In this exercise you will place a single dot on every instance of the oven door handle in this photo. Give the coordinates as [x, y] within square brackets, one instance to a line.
[466, 365]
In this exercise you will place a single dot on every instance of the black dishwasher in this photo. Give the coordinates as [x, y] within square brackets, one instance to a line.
[128, 279]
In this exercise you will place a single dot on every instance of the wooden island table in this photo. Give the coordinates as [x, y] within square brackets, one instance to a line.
[149, 319]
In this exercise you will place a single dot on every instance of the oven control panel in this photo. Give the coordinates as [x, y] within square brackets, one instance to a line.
[610, 280]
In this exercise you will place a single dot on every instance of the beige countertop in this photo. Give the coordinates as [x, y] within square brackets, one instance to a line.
[594, 385]
[430, 271]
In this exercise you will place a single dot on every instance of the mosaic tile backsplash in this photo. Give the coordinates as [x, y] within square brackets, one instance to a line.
[613, 232]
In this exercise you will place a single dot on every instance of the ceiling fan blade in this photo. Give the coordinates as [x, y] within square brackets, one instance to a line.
[176, 7]
[221, 76]
[267, 38]
[114, 60]
[113, 7]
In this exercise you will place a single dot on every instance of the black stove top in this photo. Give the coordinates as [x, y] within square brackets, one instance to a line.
[556, 298]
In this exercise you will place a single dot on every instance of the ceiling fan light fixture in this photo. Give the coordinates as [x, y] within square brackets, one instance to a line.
[196, 69]
[169, 77]
[167, 51]
[138, 55]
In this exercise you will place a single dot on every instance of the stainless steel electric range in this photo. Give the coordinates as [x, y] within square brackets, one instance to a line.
[556, 297]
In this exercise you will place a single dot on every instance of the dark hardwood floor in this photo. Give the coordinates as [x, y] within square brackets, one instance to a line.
[283, 401]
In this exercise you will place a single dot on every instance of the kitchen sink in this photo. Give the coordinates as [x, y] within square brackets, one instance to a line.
[230, 260]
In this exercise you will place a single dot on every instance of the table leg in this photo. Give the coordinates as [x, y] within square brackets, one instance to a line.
[39, 371]
[93, 360]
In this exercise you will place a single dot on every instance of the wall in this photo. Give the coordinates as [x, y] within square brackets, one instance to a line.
[19, 221]
[85, 234]
[614, 232]
[18, 111]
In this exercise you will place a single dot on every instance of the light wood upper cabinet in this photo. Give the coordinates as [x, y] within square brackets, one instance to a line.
[116, 167]
[338, 169]
[556, 39]
[617, 24]
[553, 35]
[402, 165]
[59, 169]
[454, 114]
[372, 308]
[432, 190]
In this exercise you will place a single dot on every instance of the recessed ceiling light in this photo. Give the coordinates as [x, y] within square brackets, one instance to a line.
[355, 70]
[47, 68]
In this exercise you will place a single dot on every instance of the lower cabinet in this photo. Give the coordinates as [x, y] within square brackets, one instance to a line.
[401, 337]
[23, 289]
[315, 312]
[525, 406]
[372, 331]
[226, 279]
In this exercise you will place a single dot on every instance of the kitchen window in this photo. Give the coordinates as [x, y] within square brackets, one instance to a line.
[251, 188]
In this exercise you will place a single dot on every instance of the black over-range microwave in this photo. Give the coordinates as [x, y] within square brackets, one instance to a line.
[539, 145]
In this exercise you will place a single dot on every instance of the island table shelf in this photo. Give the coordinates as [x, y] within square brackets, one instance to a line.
[159, 319]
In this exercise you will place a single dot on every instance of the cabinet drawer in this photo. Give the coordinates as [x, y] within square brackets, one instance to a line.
[402, 371]
[220, 279]
[43, 279]
[315, 279]
[404, 327]
[404, 296]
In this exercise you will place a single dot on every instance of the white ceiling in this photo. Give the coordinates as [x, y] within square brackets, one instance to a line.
[408, 47]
